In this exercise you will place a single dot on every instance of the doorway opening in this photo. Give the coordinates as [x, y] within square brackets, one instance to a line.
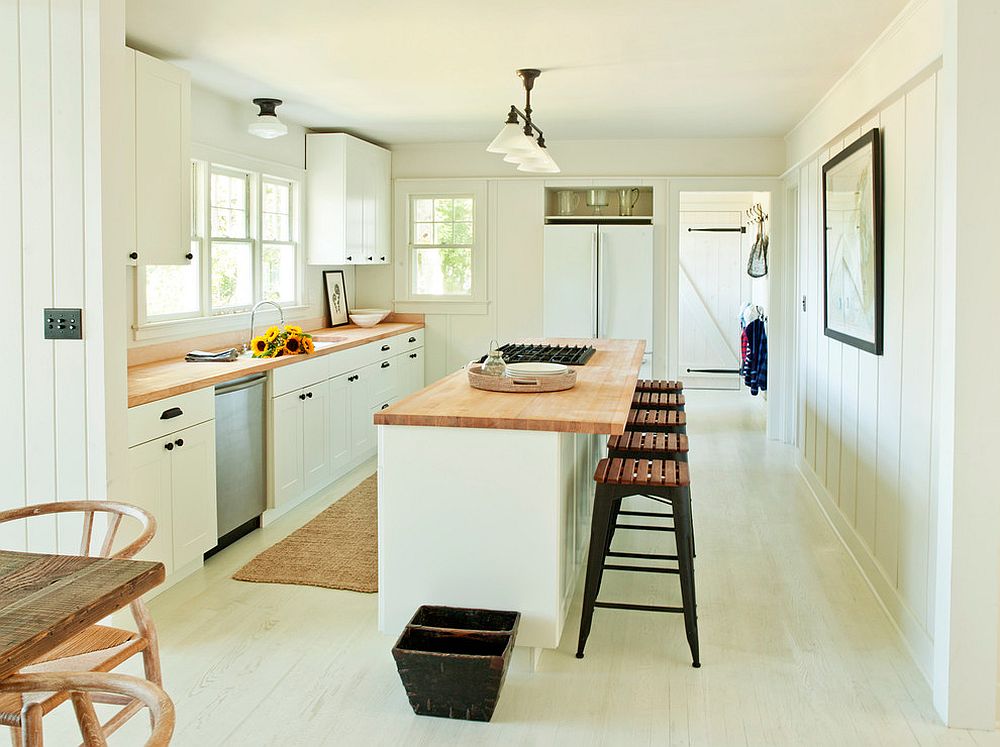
[723, 290]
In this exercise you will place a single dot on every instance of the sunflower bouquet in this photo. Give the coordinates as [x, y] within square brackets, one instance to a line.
[276, 342]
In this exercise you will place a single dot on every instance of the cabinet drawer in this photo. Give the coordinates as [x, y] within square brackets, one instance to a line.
[385, 377]
[351, 359]
[412, 340]
[300, 374]
[157, 419]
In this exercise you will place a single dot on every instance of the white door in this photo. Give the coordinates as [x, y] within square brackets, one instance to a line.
[570, 282]
[712, 267]
[286, 450]
[315, 436]
[362, 427]
[340, 425]
[149, 488]
[192, 470]
[625, 283]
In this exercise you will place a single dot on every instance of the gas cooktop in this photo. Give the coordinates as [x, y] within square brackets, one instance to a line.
[570, 355]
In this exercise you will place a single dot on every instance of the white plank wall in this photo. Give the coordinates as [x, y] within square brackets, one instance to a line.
[866, 431]
[49, 52]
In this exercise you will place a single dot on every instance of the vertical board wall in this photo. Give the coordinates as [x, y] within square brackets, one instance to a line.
[866, 422]
[52, 444]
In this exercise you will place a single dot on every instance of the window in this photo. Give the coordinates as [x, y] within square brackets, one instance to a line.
[442, 240]
[244, 243]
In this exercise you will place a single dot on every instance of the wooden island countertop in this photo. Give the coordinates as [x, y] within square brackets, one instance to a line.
[599, 403]
[150, 382]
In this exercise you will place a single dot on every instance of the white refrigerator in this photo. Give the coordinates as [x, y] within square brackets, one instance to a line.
[598, 282]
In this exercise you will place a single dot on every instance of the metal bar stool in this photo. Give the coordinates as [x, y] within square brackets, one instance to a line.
[658, 385]
[656, 421]
[657, 400]
[663, 481]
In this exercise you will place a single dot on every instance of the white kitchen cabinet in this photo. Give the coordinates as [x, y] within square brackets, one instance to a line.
[340, 425]
[162, 124]
[193, 514]
[412, 377]
[360, 399]
[316, 450]
[149, 489]
[348, 200]
[286, 448]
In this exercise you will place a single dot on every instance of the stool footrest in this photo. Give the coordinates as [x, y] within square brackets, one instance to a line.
[644, 529]
[637, 607]
[645, 513]
[641, 569]
[645, 555]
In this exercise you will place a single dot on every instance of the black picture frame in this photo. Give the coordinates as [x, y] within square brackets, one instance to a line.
[867, 278]
[335, 285]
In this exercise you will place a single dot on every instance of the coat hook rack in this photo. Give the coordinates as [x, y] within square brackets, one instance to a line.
[756, 214]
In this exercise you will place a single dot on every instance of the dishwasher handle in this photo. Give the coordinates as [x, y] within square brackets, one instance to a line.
[240, 384]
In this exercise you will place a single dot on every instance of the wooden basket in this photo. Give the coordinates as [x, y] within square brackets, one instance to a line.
[523, 384]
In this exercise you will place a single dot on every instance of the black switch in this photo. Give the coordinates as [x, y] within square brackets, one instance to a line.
[63, 324]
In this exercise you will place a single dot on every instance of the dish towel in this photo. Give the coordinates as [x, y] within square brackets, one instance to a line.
[201, 356]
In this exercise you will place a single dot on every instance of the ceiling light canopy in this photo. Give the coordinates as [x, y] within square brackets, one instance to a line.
[267, 125]
[518, 143]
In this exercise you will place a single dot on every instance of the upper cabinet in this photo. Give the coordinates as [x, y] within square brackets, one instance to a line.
[348, 200]
[162, 127]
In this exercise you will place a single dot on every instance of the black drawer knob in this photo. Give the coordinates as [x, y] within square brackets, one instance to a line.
[168, 446]
[189, 256]
[412, 339]
[179, 442]
[384, 348]
[385, 405]
[413, 355]
[133, 255]
[302, 396]
[385, 364]
[309, 395]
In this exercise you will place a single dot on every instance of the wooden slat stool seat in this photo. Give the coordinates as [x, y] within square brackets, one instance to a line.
[656, 421]
[658, 400]
[658, 385]
[663, 481]
[649, 445]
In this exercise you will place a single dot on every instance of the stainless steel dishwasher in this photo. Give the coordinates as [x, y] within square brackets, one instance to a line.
[240, 471]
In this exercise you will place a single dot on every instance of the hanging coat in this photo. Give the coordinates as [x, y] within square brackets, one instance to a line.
[754, 369]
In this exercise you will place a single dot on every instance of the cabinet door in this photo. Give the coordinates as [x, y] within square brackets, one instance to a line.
[315, 436]
[383, 206]
[413, 381]
[370, 177]
[286, 448]
[192, 477]
[325, 197]
[149, 488]
[340, 425]
[162, 162]
[355, 189]
[362, 427]
[386, 377]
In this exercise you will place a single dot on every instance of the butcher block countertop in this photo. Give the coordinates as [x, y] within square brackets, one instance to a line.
[150, 382]
[599, 403]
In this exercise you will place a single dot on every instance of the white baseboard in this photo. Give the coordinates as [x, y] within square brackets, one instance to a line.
[916, 640]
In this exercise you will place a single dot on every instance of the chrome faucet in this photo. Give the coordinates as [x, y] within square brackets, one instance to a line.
[253, 314]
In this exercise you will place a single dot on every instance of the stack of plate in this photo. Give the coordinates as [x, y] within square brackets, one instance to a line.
[535, 370]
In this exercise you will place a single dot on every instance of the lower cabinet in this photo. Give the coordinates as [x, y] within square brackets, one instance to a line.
[172, 477]
[300, 438]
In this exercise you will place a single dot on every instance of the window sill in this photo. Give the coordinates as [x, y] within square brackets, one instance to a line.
[208, 325]
[470, 308]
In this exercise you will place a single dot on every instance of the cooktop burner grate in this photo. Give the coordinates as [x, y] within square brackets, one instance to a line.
[570, 355]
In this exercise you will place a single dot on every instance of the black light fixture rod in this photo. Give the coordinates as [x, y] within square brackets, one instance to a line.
[529, 125]
[528, 76]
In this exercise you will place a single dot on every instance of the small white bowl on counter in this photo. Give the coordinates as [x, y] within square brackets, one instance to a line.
[368, 317]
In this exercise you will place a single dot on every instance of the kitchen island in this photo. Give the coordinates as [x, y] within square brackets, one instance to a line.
[484, 498]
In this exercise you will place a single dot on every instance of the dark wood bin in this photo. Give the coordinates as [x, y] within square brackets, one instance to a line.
[453, 661]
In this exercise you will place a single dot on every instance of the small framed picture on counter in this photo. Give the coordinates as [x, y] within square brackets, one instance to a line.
[336, 297]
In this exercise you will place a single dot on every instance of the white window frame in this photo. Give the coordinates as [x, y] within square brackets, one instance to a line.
[293, 233]
[252, 236]
[207, 320]
[405, 191]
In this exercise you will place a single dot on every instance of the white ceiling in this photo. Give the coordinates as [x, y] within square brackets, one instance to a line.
[443, 70]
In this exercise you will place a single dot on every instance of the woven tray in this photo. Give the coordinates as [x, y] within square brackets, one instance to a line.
[525, 384]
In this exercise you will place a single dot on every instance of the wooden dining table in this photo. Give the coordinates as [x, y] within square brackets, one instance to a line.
[47, 599]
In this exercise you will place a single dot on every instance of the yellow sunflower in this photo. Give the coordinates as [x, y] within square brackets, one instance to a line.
[307, 345]
[271, 333]
[293, 329]
[258, 346]
[293, 345]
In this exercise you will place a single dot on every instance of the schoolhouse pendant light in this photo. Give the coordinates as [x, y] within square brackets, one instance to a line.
[267, 125]
[519, 143]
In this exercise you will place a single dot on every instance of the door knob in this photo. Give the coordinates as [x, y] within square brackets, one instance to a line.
[179, 442]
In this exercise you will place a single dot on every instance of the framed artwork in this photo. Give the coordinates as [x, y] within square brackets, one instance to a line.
[336, 297]
[853, 254]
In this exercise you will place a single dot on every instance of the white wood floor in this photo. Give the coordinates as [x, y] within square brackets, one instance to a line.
[795, 649]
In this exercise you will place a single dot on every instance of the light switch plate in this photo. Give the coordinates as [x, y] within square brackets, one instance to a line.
[63, 324]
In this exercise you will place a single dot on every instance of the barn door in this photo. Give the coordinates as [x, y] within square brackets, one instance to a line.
[712, 280]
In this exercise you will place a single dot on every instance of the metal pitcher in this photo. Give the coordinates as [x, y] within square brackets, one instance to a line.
[627, 198]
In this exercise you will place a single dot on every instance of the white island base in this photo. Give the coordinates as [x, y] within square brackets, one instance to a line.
[474, 517]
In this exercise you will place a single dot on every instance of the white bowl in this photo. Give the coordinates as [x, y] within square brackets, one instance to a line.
[368, 317]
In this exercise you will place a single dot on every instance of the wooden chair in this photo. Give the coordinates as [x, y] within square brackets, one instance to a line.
[79, 686]
[99, 648]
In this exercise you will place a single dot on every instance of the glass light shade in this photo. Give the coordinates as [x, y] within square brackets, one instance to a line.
[267, 126]
[515, 157]
[542, 163]
[510, 138]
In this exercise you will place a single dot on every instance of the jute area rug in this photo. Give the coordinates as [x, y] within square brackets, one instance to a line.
[336, 550]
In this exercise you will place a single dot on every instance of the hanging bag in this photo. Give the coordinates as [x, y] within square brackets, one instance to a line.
[757, 265]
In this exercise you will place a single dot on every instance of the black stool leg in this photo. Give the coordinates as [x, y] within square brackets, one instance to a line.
[600, 530]
[682, 524]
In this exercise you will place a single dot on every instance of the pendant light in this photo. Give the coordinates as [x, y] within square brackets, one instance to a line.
[519, 143]
[267, 125]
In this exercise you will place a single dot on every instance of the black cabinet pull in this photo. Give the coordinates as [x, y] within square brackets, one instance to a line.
[385, 405]
[382, 259]
[385, 364]
[384, 348]
[413, 355]
[179, 442]
[133, 255]
[370, 259]
[309, 395]
[173, 412]
[412, 339]
[350, 258]
[189, 256]
[302, 396]
[352, 378]
[168, 446]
